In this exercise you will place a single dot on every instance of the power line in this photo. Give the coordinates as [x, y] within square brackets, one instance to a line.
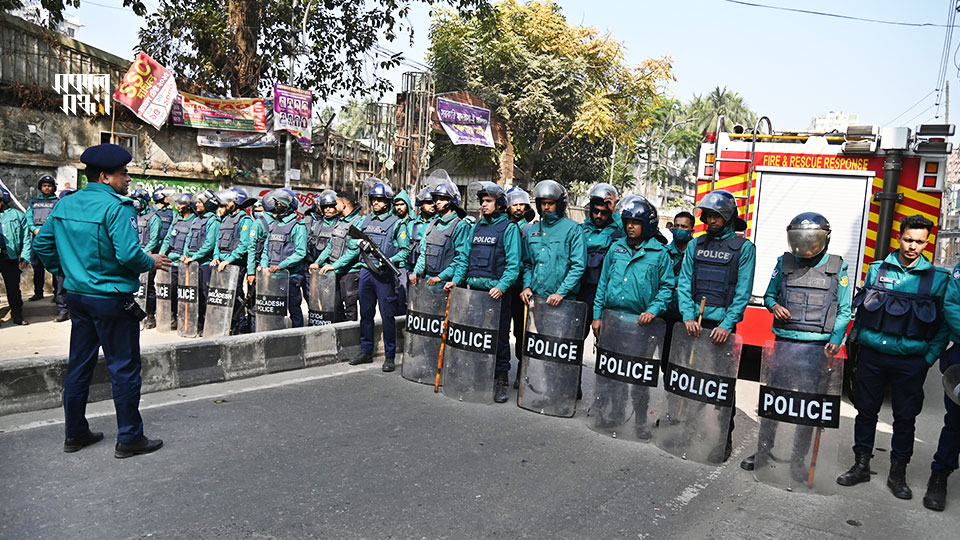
[945, 53]
[837, 15]
[911, 107]
[908, 122]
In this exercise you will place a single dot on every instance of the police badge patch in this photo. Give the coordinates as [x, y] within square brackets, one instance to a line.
[956, 274]
[133, 223]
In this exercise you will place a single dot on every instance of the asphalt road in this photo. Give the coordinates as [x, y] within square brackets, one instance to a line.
[339, 452]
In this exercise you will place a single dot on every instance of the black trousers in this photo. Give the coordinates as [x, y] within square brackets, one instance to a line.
[10, 269]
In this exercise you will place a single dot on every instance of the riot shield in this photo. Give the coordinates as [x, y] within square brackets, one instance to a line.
[221, 295]
[798, 445]
[164, 301]
[188, 295]
[421, 342]
[470, 348]
[141, 295]
[272, 298]
[552, 356]
[321, 305]
[951, 383]
[700, 380]
[627, 396]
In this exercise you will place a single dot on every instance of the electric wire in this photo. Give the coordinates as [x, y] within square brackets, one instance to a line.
[837, 15]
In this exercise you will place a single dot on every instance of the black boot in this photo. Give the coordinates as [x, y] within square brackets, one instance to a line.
[148, 323]
[389, 365]
[35, 297]
[364, 358]
[17, 316]
[860, 472]
[897, 480]
[936, 497]
[500, 387]
[749, 463]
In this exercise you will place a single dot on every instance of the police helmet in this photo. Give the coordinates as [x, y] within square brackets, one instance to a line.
[328, 197]
[551, 190]
[638, 208]
[161, 193]
[423, 197]
[602, 193]
[235, 195]
[516, 195]
[269, 200]
[442, 186]
[284, 202]
[381, 190]
[141, 195]
[490, 189]
[185, 199]
[724, 203]
[5, 196]
[808, 235]
[209, 200]
[47, 179]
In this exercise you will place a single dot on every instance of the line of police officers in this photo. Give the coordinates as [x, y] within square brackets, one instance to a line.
[616, 259]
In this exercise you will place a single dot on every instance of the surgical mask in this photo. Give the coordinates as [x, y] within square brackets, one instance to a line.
[681, 235]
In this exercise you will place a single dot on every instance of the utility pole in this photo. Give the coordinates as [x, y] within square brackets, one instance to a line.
[613, 159]
[293, 63]
[946, 114]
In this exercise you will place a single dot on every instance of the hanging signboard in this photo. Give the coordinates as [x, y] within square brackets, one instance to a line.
[245, 114]
[148, 90]
[292, 111]
[465, 124]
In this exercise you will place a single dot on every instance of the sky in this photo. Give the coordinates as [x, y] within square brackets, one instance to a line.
[787, 66]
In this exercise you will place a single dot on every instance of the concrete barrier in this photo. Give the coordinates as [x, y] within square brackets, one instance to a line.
[37, 383]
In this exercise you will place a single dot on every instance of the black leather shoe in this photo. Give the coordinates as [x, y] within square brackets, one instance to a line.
[149, 322]
[643, 431]
[389, 365]
[362, 359]
[143, 446]
[749, 463]
[897, 480]
[75, 444]
[859, 472]
[35, 297]
[936, 496]
[61, 317]
[500, 388]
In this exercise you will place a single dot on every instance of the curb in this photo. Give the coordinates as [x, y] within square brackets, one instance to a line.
[32, 384]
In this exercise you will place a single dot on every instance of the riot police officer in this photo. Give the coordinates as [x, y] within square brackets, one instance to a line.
[339, 257]
[521, 213]
[554, 251]
[416, 228]
[233, 245]
[175, 242]
[719, 267]
[401, 207]
[493, 265]
[285, 248]
[637, 278]
[89, 239]
[204, 232]
[159, 220]
[37, 213]
[809, 296]
[945, 460]
[599, 231]
[682, 232]
[323, 224]
[14, 253]
[444, 245]
[898, 327]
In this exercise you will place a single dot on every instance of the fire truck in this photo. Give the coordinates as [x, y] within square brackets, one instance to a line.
[863, 181]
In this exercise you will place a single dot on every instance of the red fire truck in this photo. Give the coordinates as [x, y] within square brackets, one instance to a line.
[863, 181]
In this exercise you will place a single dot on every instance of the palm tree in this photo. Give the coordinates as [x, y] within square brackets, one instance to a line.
[719, 100]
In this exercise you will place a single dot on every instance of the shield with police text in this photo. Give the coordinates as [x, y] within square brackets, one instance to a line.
[470, 348]
[141, 295]
[165, 292]
[321, 305]
[700, 380]
[221, 296]
[798, 445]
[626, 395]
[188, 299]
[552, 356]
[426, 316]
[271, 301]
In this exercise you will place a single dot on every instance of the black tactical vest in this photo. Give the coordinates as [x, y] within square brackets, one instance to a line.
[198, 232]
[281, 243]
[258, 245]
[178, 236]
[42, 209]
[810, 294]
[488, 256]
[911, 315]
[440, 249]
[322, 233]
[143, 228]
[230, 233]
[166, 218]
[715, 266]
[595, 256]
[381, 232]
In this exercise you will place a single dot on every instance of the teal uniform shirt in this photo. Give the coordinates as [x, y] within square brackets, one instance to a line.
[16, 234]
[404, 221]
[239, 254]
[907, 280]
[511, 250]
[676, 256]
[462, 237]
[295, 263]
[350, 260]
[772, 297]
[726, 317]
[204, 254]
[154, 227]
[635, 280]
[99, 252]
[951, 304]
[29, 217]
[554, 256]
[599, 239]
[165, 246]
[400, 239]
[258, 232]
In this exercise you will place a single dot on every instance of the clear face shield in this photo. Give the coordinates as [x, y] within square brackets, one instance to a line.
[807, 243]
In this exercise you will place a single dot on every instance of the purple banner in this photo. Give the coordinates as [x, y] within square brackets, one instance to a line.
[292, 111]
[465, 124]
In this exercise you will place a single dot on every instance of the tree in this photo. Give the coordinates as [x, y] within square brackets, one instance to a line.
[719, 100]
[564, 91]
[351, 121]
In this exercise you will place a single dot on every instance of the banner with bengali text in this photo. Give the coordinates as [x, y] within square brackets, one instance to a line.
[148, 89]
[244, 114]
[465, 124]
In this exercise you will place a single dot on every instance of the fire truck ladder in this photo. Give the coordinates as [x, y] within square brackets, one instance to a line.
[751, 161]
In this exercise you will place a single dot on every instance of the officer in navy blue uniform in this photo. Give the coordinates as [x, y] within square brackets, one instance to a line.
[37, 214]
[99, 254]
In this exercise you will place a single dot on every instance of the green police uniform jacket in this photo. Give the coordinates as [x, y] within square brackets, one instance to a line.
[99, 252]
[295, 263]
[257, 232]
[349, 261]
[673, 307]
[16, 234]
[554, 256]
[511, 250]
[635, 280]
[951, 304]
[726, 317]
[772, 297]
[165, 246]
[239, 254]
[462, 237]
[204, 254]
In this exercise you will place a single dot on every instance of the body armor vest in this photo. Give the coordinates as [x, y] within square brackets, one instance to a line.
[166, 218]
[440, 249]
[258, 245]
[911, 315]
[715, 266]
[42, 209]
[143, 228]
[281, 242]
[488, 256]
[595, 256]
[178, 236]
[198, 233]
[323, 233]
[230, 233]
[381, 233]
[810, 294]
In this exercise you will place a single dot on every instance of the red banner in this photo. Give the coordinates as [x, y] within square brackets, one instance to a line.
[148, 90]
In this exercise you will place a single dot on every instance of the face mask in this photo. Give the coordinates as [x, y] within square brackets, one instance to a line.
[681, 235]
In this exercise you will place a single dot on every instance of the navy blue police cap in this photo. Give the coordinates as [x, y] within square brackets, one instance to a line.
[106, 156]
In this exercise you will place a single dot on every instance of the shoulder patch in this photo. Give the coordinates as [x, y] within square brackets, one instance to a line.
[403, 234]
[133, 223]
[776, 270]
[620, 250]
[844, 281]
[956, 274]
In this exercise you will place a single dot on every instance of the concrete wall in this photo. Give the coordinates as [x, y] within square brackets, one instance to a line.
[37, 383]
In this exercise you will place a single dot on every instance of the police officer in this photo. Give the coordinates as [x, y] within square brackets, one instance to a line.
[599, 231]
[14, 253]
[37, 213]
[445, 244]
[520, 212]
[99, 253]
[175, 242]
[233, 245]
[554, 251]
[401, 207]
[493, 265]
[682, 232]
[323, 224]
[900, 336]
[159, 220]
[636, 277]
[340, 258]
[378, 286]
[809, 296]
[417, 228]
[719, 267]
[286, 249]
[204, 232]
